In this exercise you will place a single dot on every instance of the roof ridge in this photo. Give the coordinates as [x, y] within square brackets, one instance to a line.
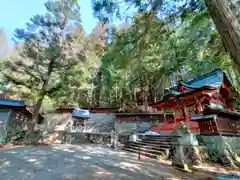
[12, 100]
[203, 76]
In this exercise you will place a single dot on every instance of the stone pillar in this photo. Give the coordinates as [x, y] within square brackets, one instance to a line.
[185, 152]
[112, 137]
[116, 141]
[179, 160]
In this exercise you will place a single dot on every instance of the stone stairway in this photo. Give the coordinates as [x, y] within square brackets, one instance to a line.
[157, 147]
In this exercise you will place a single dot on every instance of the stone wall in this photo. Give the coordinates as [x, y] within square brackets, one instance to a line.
[4, 117]
[98, 138]
[123, 127]
[222, 149]
[191, 149]
[216, 143]
[100, 123]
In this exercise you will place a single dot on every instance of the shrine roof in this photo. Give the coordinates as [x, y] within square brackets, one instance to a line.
[80, 113]
[138, 114]
[202, 116]
[213, 79]
[12, 103]
[223, 112]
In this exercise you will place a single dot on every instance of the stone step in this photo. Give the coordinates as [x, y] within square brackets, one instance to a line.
[154, 145]
[155, 142]
[142, 153]
[149, 153]
[150, 149]
[157, 139]
[158, 136]
[151, 146]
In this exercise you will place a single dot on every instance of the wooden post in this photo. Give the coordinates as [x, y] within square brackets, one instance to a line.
[186, 115]
[164, 117]
[139, 158]
[199, 108]
[174, 116]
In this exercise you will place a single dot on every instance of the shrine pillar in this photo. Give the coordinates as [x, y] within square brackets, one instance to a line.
[174, 116]
[199, 108]
[164, 117]
[186, 114]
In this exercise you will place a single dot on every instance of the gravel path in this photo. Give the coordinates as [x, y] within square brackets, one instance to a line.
[90, 162]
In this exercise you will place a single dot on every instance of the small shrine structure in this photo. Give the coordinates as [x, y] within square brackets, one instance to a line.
[80, 118]
[205, 104]
[13, 115]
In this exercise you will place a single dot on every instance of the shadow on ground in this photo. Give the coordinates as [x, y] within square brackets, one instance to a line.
[72, 162]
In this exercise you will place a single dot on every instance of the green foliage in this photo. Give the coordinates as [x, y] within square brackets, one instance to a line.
[47, 49]
[132, 61]
[144, 58]
[151, 53]
[136, 59]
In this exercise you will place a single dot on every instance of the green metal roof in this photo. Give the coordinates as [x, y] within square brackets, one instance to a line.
[210, 80]
[213, 79]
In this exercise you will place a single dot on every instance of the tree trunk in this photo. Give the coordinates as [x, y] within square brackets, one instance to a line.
[35, 116]
[98, 87]
[227, 25]
[236, 77]
[145, 98]
[34, 120]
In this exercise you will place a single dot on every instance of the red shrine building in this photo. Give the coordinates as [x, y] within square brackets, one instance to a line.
[189, 100]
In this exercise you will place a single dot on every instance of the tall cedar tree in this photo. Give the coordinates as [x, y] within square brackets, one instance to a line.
[47, 51]
[226, 16]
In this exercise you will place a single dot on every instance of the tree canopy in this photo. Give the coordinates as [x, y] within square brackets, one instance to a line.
[165, 41]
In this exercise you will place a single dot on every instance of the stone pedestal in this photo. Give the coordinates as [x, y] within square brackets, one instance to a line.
[185, 152]
[133, 137]
[179, 159]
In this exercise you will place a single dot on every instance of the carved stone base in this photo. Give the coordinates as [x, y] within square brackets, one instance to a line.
[179, 160]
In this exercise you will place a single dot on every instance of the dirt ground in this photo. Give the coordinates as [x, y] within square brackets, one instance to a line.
[80, 162]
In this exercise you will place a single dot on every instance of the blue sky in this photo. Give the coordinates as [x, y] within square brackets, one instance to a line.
[15, 13]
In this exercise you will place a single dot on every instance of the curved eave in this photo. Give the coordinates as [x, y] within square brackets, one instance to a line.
[171, 94]
[171, 101]
[189, 86]
[164, 103]
[177, 94]
[213, 80]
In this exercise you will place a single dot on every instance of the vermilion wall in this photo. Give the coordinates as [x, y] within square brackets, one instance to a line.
[168, 128]
[3, 95]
